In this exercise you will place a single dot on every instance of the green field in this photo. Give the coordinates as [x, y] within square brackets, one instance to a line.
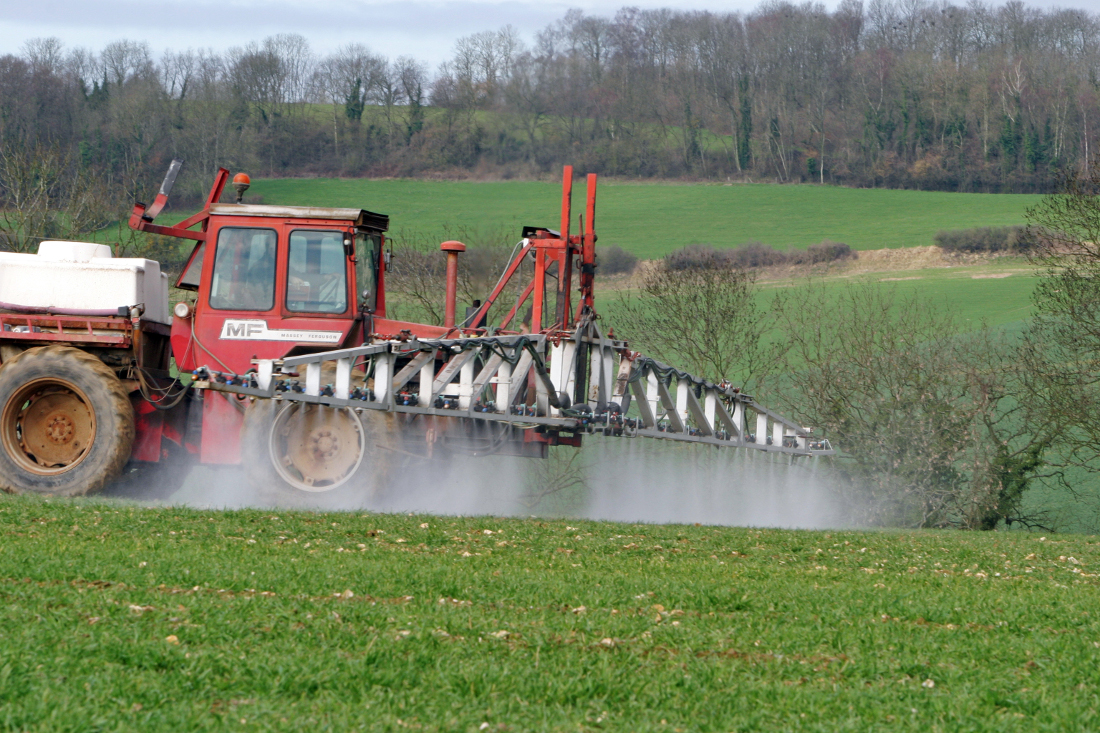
[995, 294]
[127, 618]
[652, 219]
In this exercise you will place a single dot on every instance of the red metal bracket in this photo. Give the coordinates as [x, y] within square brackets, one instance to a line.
[141, 219]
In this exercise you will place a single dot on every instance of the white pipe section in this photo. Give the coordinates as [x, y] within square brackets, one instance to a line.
[653, 395]
[343, 378]
[504, 387]
[313, 378]
[427, 377]
[465, 384]
[265, 369]
[383, 378]
[682, 387]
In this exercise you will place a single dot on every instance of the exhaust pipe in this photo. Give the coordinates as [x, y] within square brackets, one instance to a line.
[452, 248]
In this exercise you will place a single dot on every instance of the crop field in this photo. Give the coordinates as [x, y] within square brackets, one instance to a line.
[651, 219]
[149, 618]
[997, 294]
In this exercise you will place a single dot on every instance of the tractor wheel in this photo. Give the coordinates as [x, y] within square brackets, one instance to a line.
[303, 455]
[66, 423]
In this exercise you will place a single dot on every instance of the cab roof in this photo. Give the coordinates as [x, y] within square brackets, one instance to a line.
[358, 217]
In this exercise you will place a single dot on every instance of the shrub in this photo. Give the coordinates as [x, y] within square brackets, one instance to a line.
[754, 254]
[829, 252]
[695, 256]
[615, 261]
[985, 239]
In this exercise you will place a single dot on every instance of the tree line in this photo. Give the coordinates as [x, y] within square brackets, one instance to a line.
[896, 93]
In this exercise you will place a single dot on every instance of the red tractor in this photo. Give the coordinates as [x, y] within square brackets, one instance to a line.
[298, 371]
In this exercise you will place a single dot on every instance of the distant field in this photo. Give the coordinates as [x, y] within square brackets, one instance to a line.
[996, 293]
[651, 219]
[126, 618]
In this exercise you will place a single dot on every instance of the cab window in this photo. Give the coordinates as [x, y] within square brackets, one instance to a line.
[368, 246]
[189, 280]
[316, 273]
[244, 270]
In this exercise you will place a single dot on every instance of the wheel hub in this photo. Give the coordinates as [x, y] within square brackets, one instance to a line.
[59, 428]
[325, 444]
[48, 426]
[316, 448]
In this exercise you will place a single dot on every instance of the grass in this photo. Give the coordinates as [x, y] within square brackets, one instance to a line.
[995, 293]
[652, 219]
[998, 293]
[128, 618]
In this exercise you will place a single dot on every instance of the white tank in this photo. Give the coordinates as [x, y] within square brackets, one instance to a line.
[82, 276]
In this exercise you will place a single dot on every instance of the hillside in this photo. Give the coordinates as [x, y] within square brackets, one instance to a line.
[651, 220]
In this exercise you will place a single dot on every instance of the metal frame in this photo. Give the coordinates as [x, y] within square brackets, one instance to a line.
[108, 331]
[527, 379]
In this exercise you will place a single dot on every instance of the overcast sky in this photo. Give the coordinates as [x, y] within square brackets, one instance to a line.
[424, 29]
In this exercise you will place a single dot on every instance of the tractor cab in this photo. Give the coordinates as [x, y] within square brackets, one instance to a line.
[271, 281]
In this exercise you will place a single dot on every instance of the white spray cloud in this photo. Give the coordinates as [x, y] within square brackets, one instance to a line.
[666, 482]
[619, 479]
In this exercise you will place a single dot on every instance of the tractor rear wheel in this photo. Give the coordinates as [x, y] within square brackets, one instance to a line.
[299, 454]
[66, 423]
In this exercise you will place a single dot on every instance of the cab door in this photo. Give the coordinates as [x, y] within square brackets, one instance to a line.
[237, 295]
[317, 299]
[267, 289]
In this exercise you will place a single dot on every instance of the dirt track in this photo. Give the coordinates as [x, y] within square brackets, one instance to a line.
[868, 262]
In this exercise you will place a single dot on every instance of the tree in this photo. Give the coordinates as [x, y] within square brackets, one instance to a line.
[933, 421]
[703, 317]
[412, 77]
[1063, 342]
[47, 194]
[418, 273]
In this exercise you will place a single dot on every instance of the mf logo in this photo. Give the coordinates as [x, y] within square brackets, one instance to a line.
[257, 330]
[236, 330]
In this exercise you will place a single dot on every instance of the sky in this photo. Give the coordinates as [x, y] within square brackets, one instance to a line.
[423, 29]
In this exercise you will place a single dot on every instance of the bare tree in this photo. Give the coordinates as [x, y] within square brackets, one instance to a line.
[45, 54]
[558, 484]
[126, 60]
[413, 78]
[346, 79]
[1063, 340]
[46, 194]
[418, 274]
[933, 421]
[703, 317]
